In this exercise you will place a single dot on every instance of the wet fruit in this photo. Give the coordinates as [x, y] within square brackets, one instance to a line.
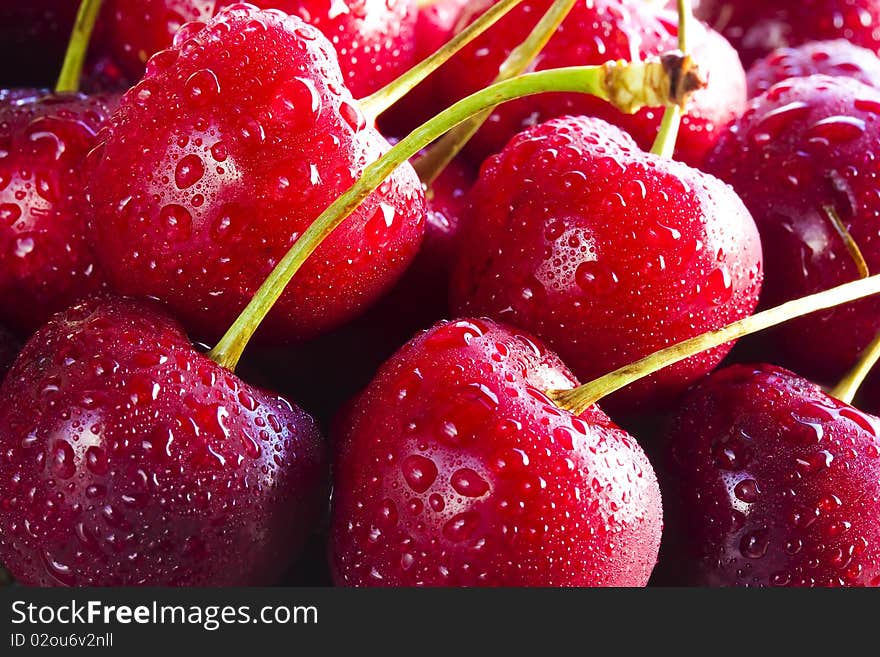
[778, 483]
[130, 459]
[453, 468]
[45, 248]
[607, 253]
[594, 33]
[197, 206]
[803, 159]
[838, 58]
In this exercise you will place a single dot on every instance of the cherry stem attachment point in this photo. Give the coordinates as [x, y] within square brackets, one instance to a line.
[670, 125]
[380, 101]
[579, 399]
[627, 85]
[431, 164]
[846, 390]
[77, 48]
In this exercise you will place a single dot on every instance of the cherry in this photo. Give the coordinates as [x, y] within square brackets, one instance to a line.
[596, 32]
[607, 253]
[48, 262]
[129, 458]
[375, 39]
[436, 24]
[453, 468]
[803, 160]
[8, 351]
[838, 58]
[757, 27]
[196, 205]
[780, 483]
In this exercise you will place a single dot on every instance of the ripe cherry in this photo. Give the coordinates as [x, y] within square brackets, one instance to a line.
[128, 458]
[757, 27]
[802, 158]
[593, 33]
[197, 207]
[607, 253]
[44, 243]
[453, 468]
[838, 58]
[779, 483]
[375, 39]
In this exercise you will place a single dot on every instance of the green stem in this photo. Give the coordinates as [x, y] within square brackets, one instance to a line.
[670, 125]
[380, 101]
[71, 70]
[581, 398]
[628, 86]
[846, 390]
[431, 165]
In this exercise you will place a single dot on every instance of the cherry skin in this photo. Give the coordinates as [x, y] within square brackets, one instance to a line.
[757, 27]
[436, 25]
[131, 459]
[594, 33]
[780, 483]
[375, 39]
[837, 58]
[807, 144]
[9, 348]
[454, 469]
[44, 241]
[607, 253]
[196, 206]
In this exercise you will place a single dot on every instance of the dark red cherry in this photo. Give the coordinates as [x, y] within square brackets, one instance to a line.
[809, 144]
[838, 58]
[607, 253]
[375, 39]
[594, 33]
[197, 206]
[757, 27]
[454, 468]
[48, 262]
[779, 483]
[9, 348]
[128, 458]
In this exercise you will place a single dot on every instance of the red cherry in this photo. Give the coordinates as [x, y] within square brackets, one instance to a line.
[594, 33]
[374, 38]
[808, 144]
[757, 27]
[9, 348]
[454, 468]
[48, 262]
[779, 483]
[129, 458]
[197, 206]
[607, 253]
[33, 37]
[838, 58]
[436, 25]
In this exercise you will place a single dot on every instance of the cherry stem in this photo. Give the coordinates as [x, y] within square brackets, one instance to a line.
[75, 57]
[846, 390]
[629, 86]
[579, 399]
[670, 124]
[432, 164]
[380, 101]
[851, 246]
